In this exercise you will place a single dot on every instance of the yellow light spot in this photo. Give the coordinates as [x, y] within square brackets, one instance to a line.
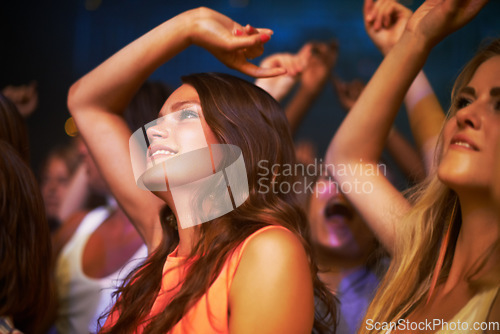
[70, 127]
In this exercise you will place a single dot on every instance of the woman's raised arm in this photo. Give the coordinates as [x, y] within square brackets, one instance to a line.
[97, 99]
[358, 143]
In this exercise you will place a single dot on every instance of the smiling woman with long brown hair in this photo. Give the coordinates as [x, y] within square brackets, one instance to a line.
[247, 271]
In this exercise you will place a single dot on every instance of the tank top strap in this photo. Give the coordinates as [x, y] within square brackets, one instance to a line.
[87, 226]
[93, 220]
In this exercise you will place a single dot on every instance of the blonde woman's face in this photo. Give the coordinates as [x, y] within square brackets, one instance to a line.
[470, 136]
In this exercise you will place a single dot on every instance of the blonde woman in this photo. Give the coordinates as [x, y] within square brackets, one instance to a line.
[444, 242]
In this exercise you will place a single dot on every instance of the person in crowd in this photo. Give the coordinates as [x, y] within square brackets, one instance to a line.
[96, 249]
[249, 270]
[444, 264]
[64, 179]
[348, 253]
[57, 170]
[25, 279]
[25, 97]
[26, 285]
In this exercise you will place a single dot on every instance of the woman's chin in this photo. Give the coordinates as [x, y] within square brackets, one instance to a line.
[452, 177]
[467, 185]
[154, 179]
[163, 195]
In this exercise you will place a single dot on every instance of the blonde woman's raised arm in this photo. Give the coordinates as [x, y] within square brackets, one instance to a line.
[425, 114]
[358, 143]
[97, 99]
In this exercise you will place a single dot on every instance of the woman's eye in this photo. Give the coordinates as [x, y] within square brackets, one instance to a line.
[497, 105]
[462, 102]
[188, 114]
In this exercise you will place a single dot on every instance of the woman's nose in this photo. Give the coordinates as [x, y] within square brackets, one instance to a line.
[157, 131]
[469, 116]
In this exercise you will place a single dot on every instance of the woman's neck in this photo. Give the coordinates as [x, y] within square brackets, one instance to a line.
[186, 241]
[187, 236]
[478, 233]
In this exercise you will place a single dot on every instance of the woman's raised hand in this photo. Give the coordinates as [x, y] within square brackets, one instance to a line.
[230, 42]
[348, 92]
[279, 86]
[385, 21]
[435, 19]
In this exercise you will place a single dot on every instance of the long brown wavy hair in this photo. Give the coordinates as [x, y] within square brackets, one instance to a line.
[13, 128]
[25, 250]
[435, 210]
[244, 115]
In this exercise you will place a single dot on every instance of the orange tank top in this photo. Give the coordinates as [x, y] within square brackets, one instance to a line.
[210, 313]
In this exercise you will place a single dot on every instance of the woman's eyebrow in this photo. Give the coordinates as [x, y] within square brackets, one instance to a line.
[495, 91]
[179, 104]
[468, 90]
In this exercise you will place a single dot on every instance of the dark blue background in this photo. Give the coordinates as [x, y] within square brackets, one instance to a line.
[56, 42]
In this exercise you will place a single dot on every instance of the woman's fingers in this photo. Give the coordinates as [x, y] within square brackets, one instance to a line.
[247, 41]
[293, 65]
[254, 51]
[435, 19]
[250, 30]
[378, 21]
[253, 46]
[387, 13]
[368, 11]
[259, 72]
[233, 43]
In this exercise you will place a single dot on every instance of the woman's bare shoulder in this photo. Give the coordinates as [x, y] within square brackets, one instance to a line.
[273, 278]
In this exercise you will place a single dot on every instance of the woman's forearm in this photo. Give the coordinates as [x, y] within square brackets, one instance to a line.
[426, 117]
[364, 131]
[111, 85]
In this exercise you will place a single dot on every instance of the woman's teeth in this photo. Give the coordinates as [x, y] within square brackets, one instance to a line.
[163, 152]
[463, 144]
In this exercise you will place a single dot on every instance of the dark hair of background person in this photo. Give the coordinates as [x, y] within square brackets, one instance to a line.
[25, 248]
[244, 115]
[13, 128]
[146, 104]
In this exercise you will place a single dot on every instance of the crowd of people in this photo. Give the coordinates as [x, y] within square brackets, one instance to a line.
[156, 218]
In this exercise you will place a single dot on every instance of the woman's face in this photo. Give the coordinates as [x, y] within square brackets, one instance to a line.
[54, 185]
[470, 135]
[336, 227]
[180, 128]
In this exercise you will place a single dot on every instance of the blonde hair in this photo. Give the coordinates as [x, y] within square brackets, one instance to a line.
[435, 210]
